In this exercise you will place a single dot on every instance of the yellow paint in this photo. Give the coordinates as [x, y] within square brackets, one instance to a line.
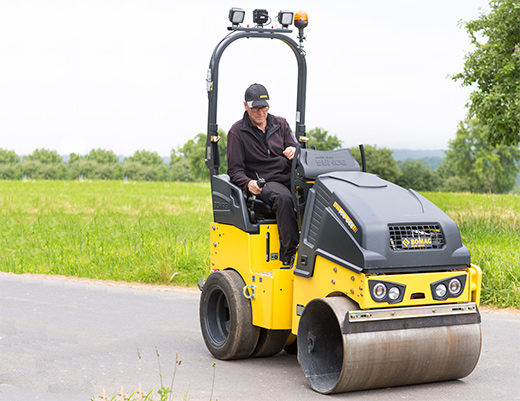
[330, 278]
[278, 293]
[273, 299]
[475, 275]
[232, 248]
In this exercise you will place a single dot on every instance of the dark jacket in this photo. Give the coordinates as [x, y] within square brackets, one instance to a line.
[251, 152]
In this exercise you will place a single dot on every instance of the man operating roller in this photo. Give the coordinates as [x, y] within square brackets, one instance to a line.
[262, 145]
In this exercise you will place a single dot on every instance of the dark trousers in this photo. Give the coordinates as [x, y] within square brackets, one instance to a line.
[279, 197]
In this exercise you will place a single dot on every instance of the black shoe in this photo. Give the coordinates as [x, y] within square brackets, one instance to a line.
[290, 262]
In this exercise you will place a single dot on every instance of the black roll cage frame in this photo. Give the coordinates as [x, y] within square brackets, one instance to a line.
[212, 157]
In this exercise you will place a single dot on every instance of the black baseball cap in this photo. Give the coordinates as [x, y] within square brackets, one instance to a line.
[256, 95]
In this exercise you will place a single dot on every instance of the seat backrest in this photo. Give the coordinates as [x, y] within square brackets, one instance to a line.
[231, 206]
[308, 164]
[312, 163]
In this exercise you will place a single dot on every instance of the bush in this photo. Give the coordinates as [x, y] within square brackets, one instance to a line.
[36, 170]
[10, 171]
[455, 184]
[180, 171]
[92, 170]
[137, 171]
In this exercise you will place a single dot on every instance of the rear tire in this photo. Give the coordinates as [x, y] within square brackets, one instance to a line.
[292, 347]
[226, 317]
[271, 342]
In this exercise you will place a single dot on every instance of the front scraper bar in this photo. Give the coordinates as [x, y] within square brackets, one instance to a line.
[408, 318]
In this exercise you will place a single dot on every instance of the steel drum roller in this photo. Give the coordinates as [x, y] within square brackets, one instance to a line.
[335, 362]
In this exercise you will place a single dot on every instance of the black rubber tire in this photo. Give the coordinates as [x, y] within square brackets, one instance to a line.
[292, 348]
[270, 343]
[226, 317]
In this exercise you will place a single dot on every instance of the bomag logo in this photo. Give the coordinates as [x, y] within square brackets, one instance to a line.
[345, 216]
[416, 242]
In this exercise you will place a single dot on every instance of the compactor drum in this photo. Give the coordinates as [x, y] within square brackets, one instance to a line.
[381, 292]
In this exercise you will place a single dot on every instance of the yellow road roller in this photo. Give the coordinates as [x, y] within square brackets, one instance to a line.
[381, 292]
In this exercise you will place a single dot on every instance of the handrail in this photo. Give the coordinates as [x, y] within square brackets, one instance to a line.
[212, 155]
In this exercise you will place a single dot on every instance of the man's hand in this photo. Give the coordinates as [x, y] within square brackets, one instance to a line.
[289, 152]
[253, 187]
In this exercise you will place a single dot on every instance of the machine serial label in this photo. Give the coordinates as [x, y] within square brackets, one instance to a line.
[416, 242]
[330, 161]
[346, 217]
[220, 205]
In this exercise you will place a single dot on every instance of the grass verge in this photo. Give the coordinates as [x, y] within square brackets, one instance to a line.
[157, 232]
[141, 232]
[490, 228]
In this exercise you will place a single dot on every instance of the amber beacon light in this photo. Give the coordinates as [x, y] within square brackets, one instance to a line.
[301, 20]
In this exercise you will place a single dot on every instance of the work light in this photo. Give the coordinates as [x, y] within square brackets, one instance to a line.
[285, 18]
[236, 16]
[260, 17]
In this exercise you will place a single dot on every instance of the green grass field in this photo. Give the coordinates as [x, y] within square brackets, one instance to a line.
[159, 232]
[490, 228]
[142, 232]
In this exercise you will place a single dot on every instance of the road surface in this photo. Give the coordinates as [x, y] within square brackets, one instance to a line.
[66, 340]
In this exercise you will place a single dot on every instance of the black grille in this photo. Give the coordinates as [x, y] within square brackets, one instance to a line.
[415, 237]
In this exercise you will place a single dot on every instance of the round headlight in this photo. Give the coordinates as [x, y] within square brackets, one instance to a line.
[379, 291]
[394, 293]
[455, 286]
[440, 290]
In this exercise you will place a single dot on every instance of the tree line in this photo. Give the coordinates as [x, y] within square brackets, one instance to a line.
[472, 163]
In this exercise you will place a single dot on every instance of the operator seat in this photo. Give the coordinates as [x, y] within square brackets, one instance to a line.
[231, 205]
[308, 164]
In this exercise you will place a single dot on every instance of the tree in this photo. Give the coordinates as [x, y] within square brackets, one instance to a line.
[485, 168]
[142, 172]
[416, 175]
[494, 67]
[145, 165]
[45, 156]
[9, 167]
[44, 164]
[194, 152]
[179, 170]
[98, 164]
[321, 140]
[146, 158]
[379, 162]
[103, 156]
[8, 157]
[37, 170]
[92, 170]
[10, 171]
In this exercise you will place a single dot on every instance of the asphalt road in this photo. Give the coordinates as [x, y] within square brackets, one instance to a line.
[63, 340]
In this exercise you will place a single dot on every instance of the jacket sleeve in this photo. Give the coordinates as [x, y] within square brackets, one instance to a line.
[289, 138]
[235, 159]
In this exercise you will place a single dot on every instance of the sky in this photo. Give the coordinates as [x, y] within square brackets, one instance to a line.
[128, 75]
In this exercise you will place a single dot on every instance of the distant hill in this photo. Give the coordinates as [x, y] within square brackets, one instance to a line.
[432, 158]
[405, 154]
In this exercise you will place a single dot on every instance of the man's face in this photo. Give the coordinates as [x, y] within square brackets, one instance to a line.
[257, 115]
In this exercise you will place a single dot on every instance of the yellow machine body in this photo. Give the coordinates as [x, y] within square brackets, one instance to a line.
[268, 285]
[278, 296]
